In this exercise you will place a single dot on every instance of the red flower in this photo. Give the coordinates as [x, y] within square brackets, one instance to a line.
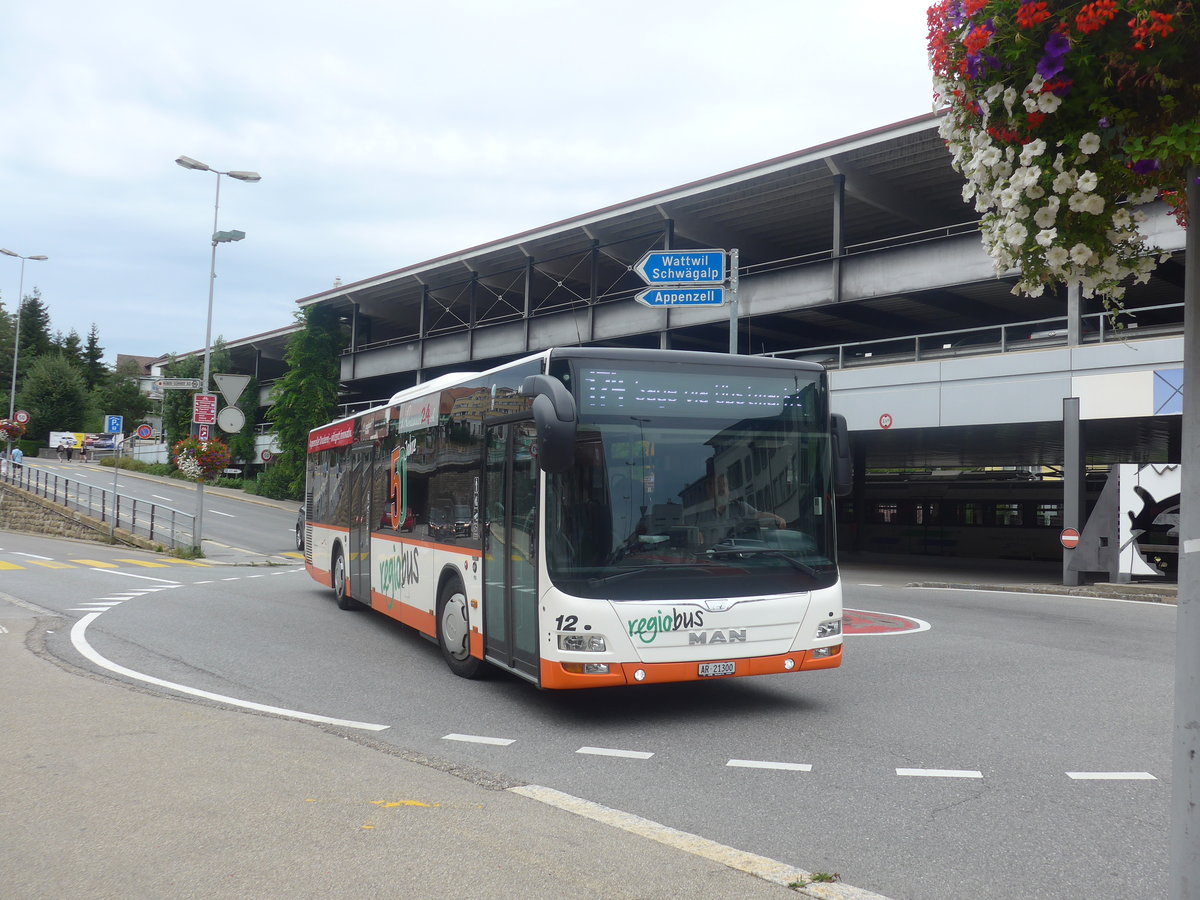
[1094, 16]
[1031, 14]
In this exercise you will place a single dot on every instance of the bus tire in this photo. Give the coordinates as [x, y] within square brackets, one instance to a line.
[454, 631]
[344, 600]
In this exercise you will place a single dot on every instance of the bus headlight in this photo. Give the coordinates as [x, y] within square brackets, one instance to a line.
[829, 629]
[587, 643]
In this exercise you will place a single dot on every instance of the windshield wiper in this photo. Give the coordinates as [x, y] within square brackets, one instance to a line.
[766, 551]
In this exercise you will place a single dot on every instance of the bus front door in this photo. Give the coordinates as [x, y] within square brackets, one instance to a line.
[358, 565]
[510, 548]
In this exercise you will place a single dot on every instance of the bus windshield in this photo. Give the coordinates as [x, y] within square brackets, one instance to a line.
[693, 485]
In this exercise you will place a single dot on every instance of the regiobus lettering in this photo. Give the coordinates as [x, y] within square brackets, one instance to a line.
[588, 518]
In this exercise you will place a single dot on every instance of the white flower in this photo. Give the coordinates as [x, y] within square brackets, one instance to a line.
[1089, 143]
[1032, 150]
[1094, 204]
[1057, 257]
[1015, 234]
[1010, 97]
[1047, 236]
[988, 157]
[1077, 201]
[993, 92]
[1080, 254]
[1063, 182]
[968, 191]
[1044, 217]
[1035, 192]
[1030, 104]
[1121, 219]
[1048, 102]
[1087, 182]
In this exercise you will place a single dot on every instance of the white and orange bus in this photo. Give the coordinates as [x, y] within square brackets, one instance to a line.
[587, 517]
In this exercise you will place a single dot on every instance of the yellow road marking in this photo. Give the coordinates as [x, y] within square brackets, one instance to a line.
[187, 562]
[293, 555]
[8, 565]
[144, 564]
[51, 564]
[95, 563]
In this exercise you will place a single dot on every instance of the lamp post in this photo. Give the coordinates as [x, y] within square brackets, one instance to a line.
[218, 237]
[12, 391]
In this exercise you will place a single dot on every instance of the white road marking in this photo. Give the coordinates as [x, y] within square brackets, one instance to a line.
[143, 577]
[761, 764]
[161, 497]
[607, 751]
[1111, 776]
[32, 555]
[940, 773]
[80, 641]
[217, 512]
[478, 739]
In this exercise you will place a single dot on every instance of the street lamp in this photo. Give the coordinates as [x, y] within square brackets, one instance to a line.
[218, 237]
[12, 391]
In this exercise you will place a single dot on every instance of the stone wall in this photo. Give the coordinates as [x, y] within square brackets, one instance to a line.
[23, 511]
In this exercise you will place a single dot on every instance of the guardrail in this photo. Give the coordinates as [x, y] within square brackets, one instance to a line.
[171, 527]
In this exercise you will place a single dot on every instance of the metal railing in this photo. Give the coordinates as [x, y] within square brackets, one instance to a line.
[164, 524]
[1035, 334]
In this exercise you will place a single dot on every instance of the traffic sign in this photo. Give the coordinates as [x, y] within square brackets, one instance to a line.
[682, 267]
[21, 417]
[114, 424]
[178, 384]
[231, 386]
[661, 298]
[204, 409]
[144, 432]
[1069, 538]
[231, 419]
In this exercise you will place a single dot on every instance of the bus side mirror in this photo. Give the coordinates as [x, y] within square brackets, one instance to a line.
[843, 471]
[554, 415]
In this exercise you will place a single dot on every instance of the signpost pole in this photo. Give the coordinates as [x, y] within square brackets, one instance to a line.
[733, 301]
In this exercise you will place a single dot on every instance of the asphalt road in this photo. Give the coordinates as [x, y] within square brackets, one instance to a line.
[1017, 747]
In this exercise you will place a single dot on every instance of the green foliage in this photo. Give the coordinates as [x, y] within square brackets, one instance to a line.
[304, 398]
[95, 372]
[55, 396]
[119, 395]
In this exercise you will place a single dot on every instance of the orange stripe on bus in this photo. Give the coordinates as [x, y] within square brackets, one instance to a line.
[320, 576]
[555, 677]
[420, 619]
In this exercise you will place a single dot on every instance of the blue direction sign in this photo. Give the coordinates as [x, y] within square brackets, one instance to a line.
[682, 267]
[659, 298]
[113, 424]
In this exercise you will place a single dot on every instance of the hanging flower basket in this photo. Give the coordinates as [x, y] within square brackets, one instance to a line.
[200, 460]
[10, 430]
[1064, 118]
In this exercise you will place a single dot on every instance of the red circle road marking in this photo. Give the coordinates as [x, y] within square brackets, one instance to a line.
[862, 621]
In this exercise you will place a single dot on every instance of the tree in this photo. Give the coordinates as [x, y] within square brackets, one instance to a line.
[55, 396]
[94, 370]
[121, 395]
[70, 346]
[35, 331]
[306, 396]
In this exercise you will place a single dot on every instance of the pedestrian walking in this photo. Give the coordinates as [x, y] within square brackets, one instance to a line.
[83, 453]
[18, 457]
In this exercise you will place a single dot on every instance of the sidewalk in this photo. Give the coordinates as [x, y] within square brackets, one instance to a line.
[108, 791]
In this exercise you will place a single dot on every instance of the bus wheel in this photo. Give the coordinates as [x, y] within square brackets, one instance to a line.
[454, 632]
[344, 600]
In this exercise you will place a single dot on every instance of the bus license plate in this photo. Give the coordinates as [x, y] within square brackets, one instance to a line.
[719, 668]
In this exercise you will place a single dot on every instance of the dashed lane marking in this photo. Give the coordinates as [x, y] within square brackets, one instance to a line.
[1111, 776]
[940, 773]
[609, 751]
[478, 739]
[763, 764]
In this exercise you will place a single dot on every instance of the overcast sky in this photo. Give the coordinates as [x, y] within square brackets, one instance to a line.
[388, 133]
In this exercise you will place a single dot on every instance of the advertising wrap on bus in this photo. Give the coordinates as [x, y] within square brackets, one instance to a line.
[681, 529]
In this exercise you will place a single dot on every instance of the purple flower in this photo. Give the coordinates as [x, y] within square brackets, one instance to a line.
[1104, 123]
[1057, 47]
[1145, 166]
